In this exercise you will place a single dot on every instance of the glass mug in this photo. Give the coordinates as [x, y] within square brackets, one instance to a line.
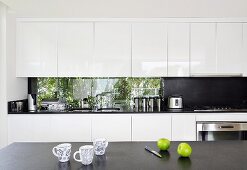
[62, 152]
[100, 145]
[86, 154]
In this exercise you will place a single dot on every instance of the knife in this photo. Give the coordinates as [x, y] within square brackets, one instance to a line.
[152, 151]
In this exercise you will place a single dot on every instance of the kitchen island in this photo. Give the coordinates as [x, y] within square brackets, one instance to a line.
[225, 155]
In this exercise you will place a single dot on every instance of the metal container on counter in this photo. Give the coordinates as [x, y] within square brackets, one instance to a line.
[144, 104]
[151, 104]
[137, 101]
[32, 102]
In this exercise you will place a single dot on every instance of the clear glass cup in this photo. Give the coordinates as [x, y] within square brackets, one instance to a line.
[100, 145]
[86, 153]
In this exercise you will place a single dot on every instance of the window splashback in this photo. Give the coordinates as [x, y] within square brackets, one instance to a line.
[75, 89]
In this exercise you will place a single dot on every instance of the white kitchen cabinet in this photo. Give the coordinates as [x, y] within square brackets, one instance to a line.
[203, 49]
[229, 48]
[75, 49]
[28, 128]
[151, 127]
[49, 128]
[70, 128]
[245, 49]
[149, 50]
[184, 127]
[36, 49]
[178, 49]
[112, 52]
[112, 127]
[238, 117]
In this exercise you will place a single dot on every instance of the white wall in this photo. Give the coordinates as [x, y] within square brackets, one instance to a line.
[16, 87]
[3, 73]
[11, 88]
[129, 8]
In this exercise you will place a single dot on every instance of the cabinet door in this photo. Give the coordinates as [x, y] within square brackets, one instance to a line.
[231, 117]
[36, 49]
[245, 49]
[183, 127]
[149, 50]
[112, 127]
[112, 56]
[229, 46]
[203, 48]
[75, 49]
[178, 49]
[70, 128]
[28, 128]
[151, 127]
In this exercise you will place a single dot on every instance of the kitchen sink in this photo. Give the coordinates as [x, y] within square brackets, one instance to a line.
[80, 110]
[108, 110]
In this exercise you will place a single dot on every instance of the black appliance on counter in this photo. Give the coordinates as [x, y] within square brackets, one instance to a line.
[206, 93]
[18, 106]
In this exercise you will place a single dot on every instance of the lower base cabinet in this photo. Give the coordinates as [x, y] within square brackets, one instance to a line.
[183, 127]
[49, 128]
[67, 128]
[151, 127]
[28, 128]
[112, 127]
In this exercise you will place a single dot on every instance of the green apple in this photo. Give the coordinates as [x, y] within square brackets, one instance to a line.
[184, 149]
[163, 144]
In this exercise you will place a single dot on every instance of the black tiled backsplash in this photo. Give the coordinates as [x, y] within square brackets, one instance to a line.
[207, 91]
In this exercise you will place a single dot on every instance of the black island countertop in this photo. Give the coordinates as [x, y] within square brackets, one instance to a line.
[220, 155]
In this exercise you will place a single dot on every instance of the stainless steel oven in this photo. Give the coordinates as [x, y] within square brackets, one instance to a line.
[213, 131]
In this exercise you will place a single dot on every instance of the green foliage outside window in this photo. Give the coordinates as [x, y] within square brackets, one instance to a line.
[74, 89]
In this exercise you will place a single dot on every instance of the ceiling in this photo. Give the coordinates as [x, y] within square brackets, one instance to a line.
[128, 8]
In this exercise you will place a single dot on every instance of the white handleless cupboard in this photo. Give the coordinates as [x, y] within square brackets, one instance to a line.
[75, 49]
[49, 128]
[149, 50]
[112, 51]
[113, 127]
[229, 48]
[70, 128]
[178, 49]
[28, 128]
[151, 127]
[36, 54]
[203, 49]
[183, 127]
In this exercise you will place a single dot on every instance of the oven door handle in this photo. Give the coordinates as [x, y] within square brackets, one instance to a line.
[222, 127]
[226, 127]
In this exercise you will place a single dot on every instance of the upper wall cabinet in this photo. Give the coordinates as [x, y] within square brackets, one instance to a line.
[75, 49]
[112, 55]
[178, 49]
[36, 49]
[229, 48]
[203, 48]
[149, 50]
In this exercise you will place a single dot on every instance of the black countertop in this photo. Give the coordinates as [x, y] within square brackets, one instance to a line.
[225, 155]
[127, 112]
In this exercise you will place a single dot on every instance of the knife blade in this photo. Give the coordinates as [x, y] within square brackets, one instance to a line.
[152, 151]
